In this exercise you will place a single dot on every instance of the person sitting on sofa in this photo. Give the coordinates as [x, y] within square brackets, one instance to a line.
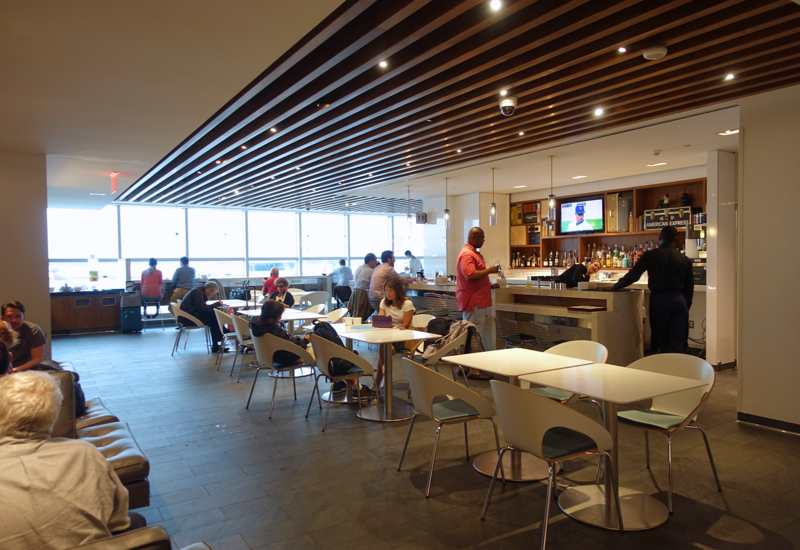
[57, 492]
[29, 350]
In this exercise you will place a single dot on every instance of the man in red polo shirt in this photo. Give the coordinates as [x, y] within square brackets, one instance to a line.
[473, 287]
[269, 284]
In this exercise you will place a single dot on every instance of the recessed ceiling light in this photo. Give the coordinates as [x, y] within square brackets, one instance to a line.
[273, 130]
[199, 172]
[579, 177]
[370, 175]
[383, 64]
[273, 177]
[458, 150]
[519, 186]
[244, 146]
[98, 194]
[408, 164]
[622, 49]
[236, 192]
[729, 76]
[503, 92]
[219, 162]
[495, 5]
[297, 168]
[598, 112]
[658, 164]
[522, 133]
[729, 132]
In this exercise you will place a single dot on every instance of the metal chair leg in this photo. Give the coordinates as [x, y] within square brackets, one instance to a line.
[177, 342]
[466, 440]
[235, 356]
[647, 448]
[669, 471]
[272, 404]
[294, 384]
[328, 407]
[253, 388]
[497, 442]
[710, 458]
[433, 460]
[315, 390]
[494, 478]
[408, 438]
[550, 483]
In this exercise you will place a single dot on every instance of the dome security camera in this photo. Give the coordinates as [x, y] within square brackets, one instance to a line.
[508, 105]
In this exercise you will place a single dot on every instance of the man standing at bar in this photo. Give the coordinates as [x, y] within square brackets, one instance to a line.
[671, 284]
[473, 287]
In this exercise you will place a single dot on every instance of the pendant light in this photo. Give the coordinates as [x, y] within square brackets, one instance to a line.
[408, 217]
[446, 210]
[493, 205]
[551, 198]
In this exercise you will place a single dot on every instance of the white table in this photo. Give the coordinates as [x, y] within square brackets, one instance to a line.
[289, 315]
[231, 304]
[613, 385]
[513, 363]
[395, 409]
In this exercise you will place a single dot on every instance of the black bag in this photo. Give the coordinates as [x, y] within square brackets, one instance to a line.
[240, 293]
[439, 325]
[323, 329]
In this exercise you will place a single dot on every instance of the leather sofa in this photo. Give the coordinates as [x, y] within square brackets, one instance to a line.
[154, 537]
[112, 438]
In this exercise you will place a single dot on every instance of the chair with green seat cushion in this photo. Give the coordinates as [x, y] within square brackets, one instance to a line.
[508, 331]
[580, 349]
[550, 431]
[671, 413]
[461, 406]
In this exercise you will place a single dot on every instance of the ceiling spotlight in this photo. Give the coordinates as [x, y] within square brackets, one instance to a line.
[622, 49]
[579, 177]
[199, 172]
[297, 168]
[657, 164]
[522, 133]
[519, 186]
[503, 92]
[219, 162]
[273, 177]
[370, 175]
[728, 132]
[458, 150]
[244, 146]
[383, 64]
[495, 5]
[598, 112]
[236, 192]
[729, 77]
[273, 130]
[408, 164]
[654, 52]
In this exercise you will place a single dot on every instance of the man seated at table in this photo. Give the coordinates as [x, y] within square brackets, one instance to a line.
[57, 492]
[282, 295]
[383, 273]
[195, 304]
[343, 274]
[364, 271]
[182, 280]
[269, 283]
[29, 350]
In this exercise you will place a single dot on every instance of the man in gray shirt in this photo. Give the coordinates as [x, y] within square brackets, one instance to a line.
[182, 280]
[364, 271]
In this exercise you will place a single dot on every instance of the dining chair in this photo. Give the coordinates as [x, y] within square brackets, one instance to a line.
[266, 346]
[324, 352]
[319, 308]
[461, 406]
[179, 314]
[453, 311]
[580, 349]
[508, 330]
[436, 304]
[223, 319]
[245, 343]
[545, 429]
[671, 413]
[315, 298]
[435, 360]
[334, 316]
[294, 290]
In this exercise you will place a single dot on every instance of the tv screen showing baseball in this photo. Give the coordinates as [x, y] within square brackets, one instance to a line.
[582, 216]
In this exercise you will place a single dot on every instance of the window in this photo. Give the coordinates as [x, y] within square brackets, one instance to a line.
[216, 233]
[111, 274]
[272, 234]
[407, 237]
[218, 269]
[261, 268]
[369, 234]
[153, 232]
[167, 268]
[318, 267]
[324, 235]
[74, 234]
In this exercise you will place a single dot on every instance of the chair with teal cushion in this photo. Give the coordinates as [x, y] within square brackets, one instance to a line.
[546, 429]
[672, 412]
[461, 406]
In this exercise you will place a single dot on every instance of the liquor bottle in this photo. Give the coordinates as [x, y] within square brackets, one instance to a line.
[545, 261]
[528, 263]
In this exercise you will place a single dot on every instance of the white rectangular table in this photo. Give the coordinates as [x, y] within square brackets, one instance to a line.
[289, 315]
[513, 363]
[232, 304]
[395, 409]
[613, 385]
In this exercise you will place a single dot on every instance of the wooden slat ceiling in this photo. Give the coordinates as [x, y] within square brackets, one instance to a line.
[343, 123]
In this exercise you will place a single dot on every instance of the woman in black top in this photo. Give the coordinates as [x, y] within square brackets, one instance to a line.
[579, 273]
[267, 323]
[282, 295]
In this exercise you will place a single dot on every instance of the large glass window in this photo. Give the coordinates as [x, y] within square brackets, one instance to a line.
[261, 268]
[218, 269]
[369, 234]
[272, 234]
[75, 275]
[79, 234]
[153, 232]
[320, 267]
[324, 235]
[407, 237]
[167, 268]
[216, 233]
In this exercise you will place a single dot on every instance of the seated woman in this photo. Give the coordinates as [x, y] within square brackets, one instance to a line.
[268, 323]
[152, 288]
[281, 295]
[579, 273]
[8, 339]
[400, 309]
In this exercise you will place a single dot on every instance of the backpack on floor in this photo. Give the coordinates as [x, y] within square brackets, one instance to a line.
[323, 329]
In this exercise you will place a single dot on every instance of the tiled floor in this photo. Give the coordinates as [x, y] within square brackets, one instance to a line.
[236, 479]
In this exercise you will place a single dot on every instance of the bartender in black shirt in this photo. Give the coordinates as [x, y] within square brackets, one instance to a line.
[579, 273]
[671, 284]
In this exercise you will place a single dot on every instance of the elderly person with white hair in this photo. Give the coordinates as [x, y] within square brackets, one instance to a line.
[57, 492]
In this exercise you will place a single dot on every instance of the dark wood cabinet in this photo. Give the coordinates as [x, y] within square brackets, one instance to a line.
[85, 312]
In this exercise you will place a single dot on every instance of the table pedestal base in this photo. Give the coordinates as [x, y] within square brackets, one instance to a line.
[340, 398]
[302, 372]
[587, 504]
[401, 410]
[518, 466]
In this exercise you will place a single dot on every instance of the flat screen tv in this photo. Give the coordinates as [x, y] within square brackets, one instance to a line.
[581, 216]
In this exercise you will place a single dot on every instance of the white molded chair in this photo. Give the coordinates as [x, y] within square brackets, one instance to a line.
[242, 329]
[179, 314]
[315, 298]
[462, 405]
[265, 347]
[672, 412]
[319, 308]
[550, 431]
[227, 337]
[334, 316]
[421, 320]
[580, 349]
[325, 351]
[293, 290]
[435, 360]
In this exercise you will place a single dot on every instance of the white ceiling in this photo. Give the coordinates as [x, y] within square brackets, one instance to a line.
[683, 141]
[103, 86]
